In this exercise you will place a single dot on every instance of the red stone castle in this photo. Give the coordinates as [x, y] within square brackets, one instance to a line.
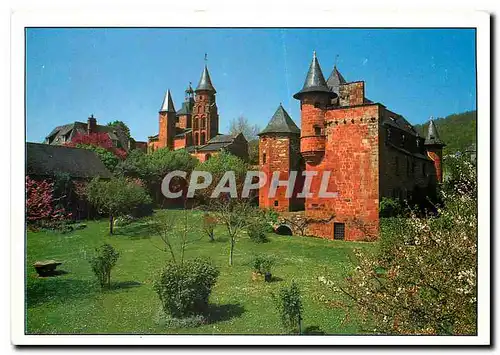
[195, 127]
[370, 151]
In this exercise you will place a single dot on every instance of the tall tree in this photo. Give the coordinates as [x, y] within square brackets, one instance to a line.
[241, 125]
[121, 125]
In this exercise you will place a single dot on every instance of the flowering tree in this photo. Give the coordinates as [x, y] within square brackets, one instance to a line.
[40, 202]
[100, 143]
[424, 282]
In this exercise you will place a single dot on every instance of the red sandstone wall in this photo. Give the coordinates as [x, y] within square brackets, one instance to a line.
[351, 154]
[352, 94]
[180, 143]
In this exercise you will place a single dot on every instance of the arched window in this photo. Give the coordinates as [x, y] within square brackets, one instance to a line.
[202, 126]
[196, 139]
[202, 139]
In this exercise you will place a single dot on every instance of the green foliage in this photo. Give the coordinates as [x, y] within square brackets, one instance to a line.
[184, 288]
[253, 151]
[108, 158]
[136, 165]
[458, 131]
[102, 263]
[164, 160]
[460, 176]
[262, 263]
[115, 197]
[289, 306]
[257, 231]
[389, 207]
[121, 125]
[220, 163]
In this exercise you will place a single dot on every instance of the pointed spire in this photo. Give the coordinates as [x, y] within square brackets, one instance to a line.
[168, 103]
[433, 135]
[281, 122]
[205, 82]
[315, 81]
[335, 80]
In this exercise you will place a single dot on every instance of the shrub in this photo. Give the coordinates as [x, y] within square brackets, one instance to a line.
[184, 288]
[257, 232]
[262, 263]
[209, 224]
[40, 204]
[116, 197]
[102, 263]
[389, 207]
[289, 305]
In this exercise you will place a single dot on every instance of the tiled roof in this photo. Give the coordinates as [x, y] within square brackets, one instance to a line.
[281, 122]
[47, 160]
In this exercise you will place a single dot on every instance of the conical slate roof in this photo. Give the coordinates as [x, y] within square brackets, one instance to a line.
[433, 135]
[335, 80]
[281, 122]
[315, 81]
[168, 103]
[205, 82]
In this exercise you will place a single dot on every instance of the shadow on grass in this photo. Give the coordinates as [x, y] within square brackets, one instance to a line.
[53, 289]
[135, 231]
[220, 313]
[313, 330]
[275, 279]
[53, 273]
[220, 240]
[124, 285]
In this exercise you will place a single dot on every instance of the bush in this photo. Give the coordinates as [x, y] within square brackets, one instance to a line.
[262, 263]
[289, 305]
[389, 207]
[394, 232]
[257, 232]
[184, 288]
[102, 263]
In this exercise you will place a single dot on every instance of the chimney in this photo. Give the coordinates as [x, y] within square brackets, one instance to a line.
[91, 124]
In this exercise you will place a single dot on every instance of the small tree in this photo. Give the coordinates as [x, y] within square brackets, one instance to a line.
[289, 305]
[235, 216]
[241, 125]
[116, 197]
[209, 224]
[102, 263]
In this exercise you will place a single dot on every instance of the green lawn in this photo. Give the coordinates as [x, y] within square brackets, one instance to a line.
[73, 302]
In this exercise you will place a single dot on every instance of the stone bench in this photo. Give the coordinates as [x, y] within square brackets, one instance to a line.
[46, 267]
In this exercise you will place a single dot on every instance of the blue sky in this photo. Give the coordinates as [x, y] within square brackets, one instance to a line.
[122, 74]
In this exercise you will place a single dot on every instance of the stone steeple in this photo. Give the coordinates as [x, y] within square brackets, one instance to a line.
[315, 81]
[335, 80]
[205, 82]
[168, 103]
[433, 135]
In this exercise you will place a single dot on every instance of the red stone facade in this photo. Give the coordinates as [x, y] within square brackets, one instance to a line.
[369, 151]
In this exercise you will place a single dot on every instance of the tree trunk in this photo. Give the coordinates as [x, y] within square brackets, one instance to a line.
[231, 248]
[110, 224]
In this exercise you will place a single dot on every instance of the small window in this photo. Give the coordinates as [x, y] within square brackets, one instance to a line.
[276, 203]
[317, 130]
[339, 231]
[403, 139]
[264, 158]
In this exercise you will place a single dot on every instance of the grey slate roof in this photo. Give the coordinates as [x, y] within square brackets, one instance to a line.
[223, 138]
[47, 160]
[168, 103]
[68, 131]
[281, 122]
[315, 81]
[181, 132]
[400, 122]
[205, 81]
[335, 80]
[186, 109]
[433, 135]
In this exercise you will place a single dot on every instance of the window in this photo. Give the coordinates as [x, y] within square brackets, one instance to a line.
[202, 139]
[317, 130]
[264, 158]
[407, 167]
[424, 173]
[276, 203]
[403, 139]
[339, 231]
[396, 165]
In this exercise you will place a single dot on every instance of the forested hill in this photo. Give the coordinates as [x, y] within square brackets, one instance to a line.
[457, 131]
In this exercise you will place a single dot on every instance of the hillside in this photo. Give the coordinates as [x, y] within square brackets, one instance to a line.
[458, 131]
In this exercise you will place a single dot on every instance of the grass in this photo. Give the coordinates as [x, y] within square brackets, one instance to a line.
[73, 303]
